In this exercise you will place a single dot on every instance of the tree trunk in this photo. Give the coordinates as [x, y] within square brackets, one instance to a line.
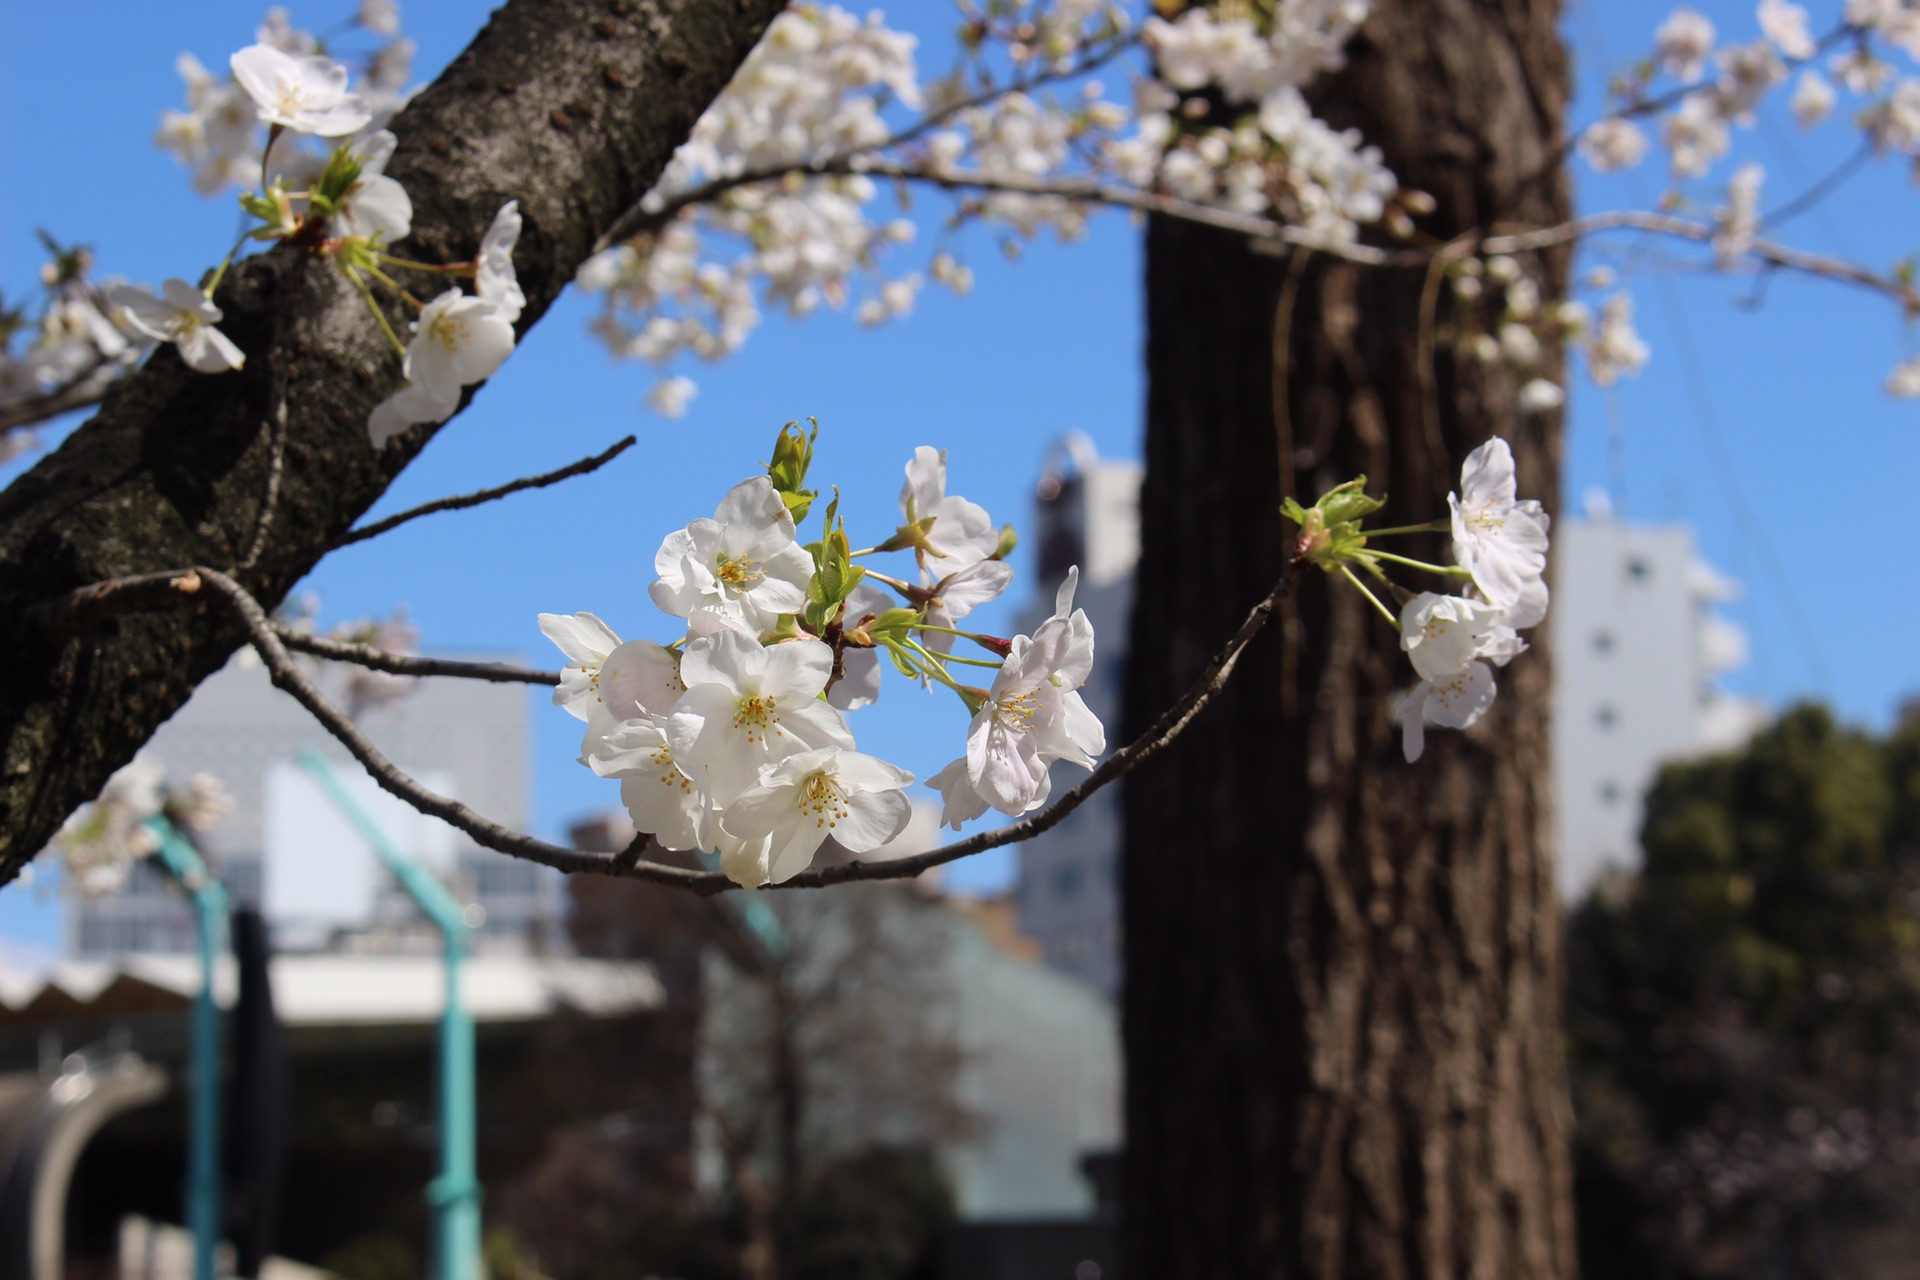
[572, 107]
[1342, 971]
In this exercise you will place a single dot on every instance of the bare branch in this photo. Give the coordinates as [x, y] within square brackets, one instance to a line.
[269, 641]
[87, 607]
[288, 676]
[580, 468]
[366, 655]
[82, 391]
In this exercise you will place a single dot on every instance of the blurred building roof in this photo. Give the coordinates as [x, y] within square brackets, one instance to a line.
[339, 990]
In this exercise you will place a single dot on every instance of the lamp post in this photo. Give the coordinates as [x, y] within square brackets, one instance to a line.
[455, 1194]
[209, 896]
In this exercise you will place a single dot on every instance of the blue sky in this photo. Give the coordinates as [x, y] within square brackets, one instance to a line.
[1761, 424]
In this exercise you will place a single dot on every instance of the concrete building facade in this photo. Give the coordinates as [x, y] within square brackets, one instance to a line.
[282, 839]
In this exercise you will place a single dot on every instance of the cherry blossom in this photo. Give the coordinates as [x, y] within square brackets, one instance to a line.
[494, 279]
[375, 206]
[1455, 701]
[1612, 144]
[305, 94]
[1033, 714]
[659, 797]
[744, 560]
[749, 705]
[1441, 634]
[1501, 541]
[961, 533]
[1682, 44]
[798, 803]
[457, 341]
[183, 316]
[1813, 99]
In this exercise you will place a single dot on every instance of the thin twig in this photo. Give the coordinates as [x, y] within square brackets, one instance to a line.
[87, 607]
[377, 659]
[579, 468]
[276, 458]
[1820, 190]
[82, 391]
[287, 675]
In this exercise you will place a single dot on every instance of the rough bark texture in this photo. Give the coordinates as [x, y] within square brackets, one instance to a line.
[573, 107]
[1342, 997]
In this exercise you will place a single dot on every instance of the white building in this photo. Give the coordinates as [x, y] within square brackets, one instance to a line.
[1637, 649]
[1087, 512]
[288, 850]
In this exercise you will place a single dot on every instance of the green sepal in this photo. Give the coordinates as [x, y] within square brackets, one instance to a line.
[1009, 539]
[342, 171]
[835, 575]
[1348, 502]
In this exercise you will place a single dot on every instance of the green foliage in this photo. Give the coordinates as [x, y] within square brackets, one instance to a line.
[792, 456]
[1754, 993]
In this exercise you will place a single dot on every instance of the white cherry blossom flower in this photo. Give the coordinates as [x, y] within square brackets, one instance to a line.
[1904, 380]
[859, 682]
[1738, 221]
[101, 841]
[1540, 395]
[1033, 714]
[382, 17]
[962, 533]
[1616, 348]
[1812, 100]
[1452, 702]
[375, 206]
[1696, 134]
[494, 278]
[1503, 543]
[1682, 44]
[658, 795]
[1786, 25]
[749, 705]
[744, 560]
[305, 94]
[1612, 144]
[1441, 634]
[799, 802]
[586, 641]
[671, 396]
[183, 316]
[456, 341]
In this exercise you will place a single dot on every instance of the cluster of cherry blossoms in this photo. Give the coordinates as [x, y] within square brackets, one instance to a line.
[99, 843]
[1453, 641]
[1712, 87]
[770, 201]
[220, 135]
[78, 343]
[734, 740]
[323, 184]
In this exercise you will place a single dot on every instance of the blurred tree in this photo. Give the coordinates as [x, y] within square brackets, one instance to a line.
[1744, 1016]
[1354, 958]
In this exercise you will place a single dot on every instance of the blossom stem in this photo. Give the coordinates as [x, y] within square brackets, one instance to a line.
[1368, 593]
[952, 631]
[932, 665]
[1445, 571]
[902, 587]
[443, 268]
[394, 285]
[374, 306]
[220, 271]
[1438, 526]
[972, 662]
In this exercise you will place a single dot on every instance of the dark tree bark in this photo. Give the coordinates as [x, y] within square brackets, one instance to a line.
[1342, 997]
[573, 107]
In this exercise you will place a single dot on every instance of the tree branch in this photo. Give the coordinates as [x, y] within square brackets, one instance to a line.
[405, 664]
[271, 643]
[580, 468]
[572, 107]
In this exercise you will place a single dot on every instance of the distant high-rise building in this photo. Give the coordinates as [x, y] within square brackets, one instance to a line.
[286, 848]
[1637, 650]
[1086, 514]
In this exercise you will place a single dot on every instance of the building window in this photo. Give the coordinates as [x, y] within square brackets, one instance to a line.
[1603, 642]
[1066, 881]
[1638, 569]
[1606, 717]
[1610, 793]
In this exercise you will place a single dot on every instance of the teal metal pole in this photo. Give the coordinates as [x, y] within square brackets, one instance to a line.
[209, 896]
[455, 1194]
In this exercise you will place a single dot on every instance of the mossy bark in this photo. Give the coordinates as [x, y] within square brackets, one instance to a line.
[572, 107]
[1342, 971]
